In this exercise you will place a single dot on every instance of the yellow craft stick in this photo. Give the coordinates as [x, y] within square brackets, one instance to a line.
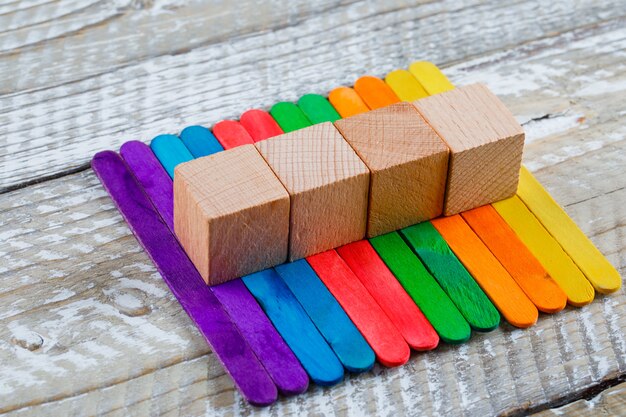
[598, 270]
[404, 84]
[430, 77]
[547, 250]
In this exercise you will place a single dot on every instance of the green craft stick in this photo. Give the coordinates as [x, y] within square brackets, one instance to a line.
[317, 109]
[422, 287]
[289, 117]
[445, 267]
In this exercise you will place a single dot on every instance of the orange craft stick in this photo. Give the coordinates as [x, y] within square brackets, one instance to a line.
[525, 269]
[503, 291]
[347, 102]
[374, 92]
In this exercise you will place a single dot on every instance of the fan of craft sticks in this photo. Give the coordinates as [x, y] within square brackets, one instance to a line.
[390, 216]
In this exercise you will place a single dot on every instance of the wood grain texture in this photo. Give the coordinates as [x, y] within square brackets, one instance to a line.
[328, 186]
[80, 291]
[525, 269]
[611, 402]
[408, 165]
[79, 81]
[485, 141]
[231, 214]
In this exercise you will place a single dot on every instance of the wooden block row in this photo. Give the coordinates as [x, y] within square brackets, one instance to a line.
[324, 186]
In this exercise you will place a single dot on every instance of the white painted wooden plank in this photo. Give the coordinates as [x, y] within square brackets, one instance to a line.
[74, 275]
[67, 100]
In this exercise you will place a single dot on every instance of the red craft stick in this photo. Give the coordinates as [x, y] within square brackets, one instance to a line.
[231, 134]
[389, 294]
[260, 125]
[370, 319]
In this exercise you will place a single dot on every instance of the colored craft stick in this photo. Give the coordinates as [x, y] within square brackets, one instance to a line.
[178, 157]
[328, 316]
[482, 318]
[344, 338]
[598, 270]
[317, 109]
[347, 102]
[553, 220]
[294, 325]
[200, 141]
[412, 324]
[430, 77]
[269, 347]
[525, 269]
[318, 302]
[404, 84]
[260, 125]
[231, 134]
[444, 266]
[380, 333]
[149, 171]
[171, 151]
[547, 250]
[503, 291]
[279, 361]
[288, 116]
[374, 92]
[423, 289]
[519, 218]
[184, 281]
[389, 294]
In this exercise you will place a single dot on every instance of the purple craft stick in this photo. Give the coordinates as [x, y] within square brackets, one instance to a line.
[279, 361]
[152, 177]
[184, 281]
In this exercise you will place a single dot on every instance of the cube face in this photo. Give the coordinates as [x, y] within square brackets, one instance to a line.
[485, 141]
[231, 214]
[328, 185]
[408, 165]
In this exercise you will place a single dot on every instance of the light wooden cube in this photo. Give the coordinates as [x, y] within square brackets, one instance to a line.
[486, 144]
[408, 165]
[328, 185]
[231, 214]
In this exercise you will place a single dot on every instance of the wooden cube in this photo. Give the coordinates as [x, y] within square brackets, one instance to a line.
[328, 185]
[485, 141]
[408, 165]
[231, 214]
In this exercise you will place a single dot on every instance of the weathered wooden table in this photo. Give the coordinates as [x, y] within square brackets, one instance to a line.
[87, 326]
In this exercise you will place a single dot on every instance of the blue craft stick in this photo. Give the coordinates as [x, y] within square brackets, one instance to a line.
[324, 310]
[295, 327]
[171, 151]
[291, 325]
[200, 141]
